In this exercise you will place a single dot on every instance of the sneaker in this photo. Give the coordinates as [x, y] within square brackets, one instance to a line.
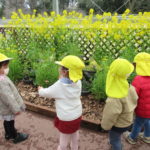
[20, 138]
[129, 139]
[144, 139]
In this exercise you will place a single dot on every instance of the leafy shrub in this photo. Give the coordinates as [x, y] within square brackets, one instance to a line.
[65, 48]
[16, 68]
[129, 54]
[99, 82]
[15, 65]
[46, 73]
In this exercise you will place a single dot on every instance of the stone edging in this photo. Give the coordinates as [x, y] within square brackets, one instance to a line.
[51, 113]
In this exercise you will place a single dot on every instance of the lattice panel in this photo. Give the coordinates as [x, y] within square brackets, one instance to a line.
[88, 40]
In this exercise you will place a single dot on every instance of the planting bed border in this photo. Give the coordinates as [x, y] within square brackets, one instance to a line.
[52, 113]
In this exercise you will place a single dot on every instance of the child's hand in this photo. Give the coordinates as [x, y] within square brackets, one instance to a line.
[18, 113]
[40, 87]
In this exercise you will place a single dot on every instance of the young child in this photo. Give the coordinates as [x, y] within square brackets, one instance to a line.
[142, 85]
[11, 103]
[66, 92]
[121, 102]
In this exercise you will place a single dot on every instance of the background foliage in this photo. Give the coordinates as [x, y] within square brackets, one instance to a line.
[36, 42]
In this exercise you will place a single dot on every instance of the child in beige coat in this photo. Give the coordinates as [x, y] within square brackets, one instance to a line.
[121, 102]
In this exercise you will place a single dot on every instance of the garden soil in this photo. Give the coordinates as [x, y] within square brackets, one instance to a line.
[92, 109]
[43, 136]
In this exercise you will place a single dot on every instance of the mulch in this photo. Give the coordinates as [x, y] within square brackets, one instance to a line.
[92, 109]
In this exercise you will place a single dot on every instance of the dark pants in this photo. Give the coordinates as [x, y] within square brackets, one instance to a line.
[115, 137]
[10, 130]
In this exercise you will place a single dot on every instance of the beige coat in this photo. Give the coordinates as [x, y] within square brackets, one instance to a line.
[10, 100]
[119, 112]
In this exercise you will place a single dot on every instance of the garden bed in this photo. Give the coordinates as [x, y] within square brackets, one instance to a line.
[92, 109]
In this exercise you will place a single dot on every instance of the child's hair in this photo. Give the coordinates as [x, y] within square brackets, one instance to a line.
[3, 63]
[64, 68]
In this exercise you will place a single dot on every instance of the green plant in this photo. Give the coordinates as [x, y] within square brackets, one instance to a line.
[86, 86]
[16, 68]
[66, 44]
[98, 85]
[130, 79]
[8, 48]
[46, 73]
[68, 49]
[38, 50]
[99, 82]
[128, 53]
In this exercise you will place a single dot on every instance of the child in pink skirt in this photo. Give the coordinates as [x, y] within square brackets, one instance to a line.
[66, 92]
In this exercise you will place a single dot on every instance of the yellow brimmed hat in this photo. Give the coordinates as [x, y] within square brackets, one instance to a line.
[4, 58]
[75, 66]
[116, 84]
[142, 61]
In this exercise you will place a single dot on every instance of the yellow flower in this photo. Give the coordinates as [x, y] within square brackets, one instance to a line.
[53, 13]
[98, 16]
[127, 11]
[19, 10]
[91, 11]
[117, 36]
[45, 14]
[65, 12]
[34, 10]
[3, 18]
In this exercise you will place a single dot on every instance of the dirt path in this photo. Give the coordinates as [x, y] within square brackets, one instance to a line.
[43, 136]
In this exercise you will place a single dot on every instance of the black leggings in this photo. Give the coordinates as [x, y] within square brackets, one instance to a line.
[10, 130]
